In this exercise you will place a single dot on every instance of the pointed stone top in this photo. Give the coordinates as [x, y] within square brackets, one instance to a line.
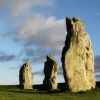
[74, 25]
[50, 58]
[28, 62]
[74, 19]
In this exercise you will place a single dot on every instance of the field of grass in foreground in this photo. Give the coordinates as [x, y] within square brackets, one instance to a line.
[15, 93]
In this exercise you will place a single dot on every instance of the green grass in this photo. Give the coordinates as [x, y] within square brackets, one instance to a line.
[15, 93]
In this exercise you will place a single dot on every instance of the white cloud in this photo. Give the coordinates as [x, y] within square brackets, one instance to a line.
[39, 24]
[47, 34]
[17, 7]
[44, 33]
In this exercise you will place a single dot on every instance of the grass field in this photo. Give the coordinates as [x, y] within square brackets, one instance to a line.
[15, 93]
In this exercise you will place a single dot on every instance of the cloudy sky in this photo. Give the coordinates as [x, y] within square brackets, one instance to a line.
[32, 29]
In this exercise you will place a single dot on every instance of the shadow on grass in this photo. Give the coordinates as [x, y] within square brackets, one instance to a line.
[98, 84]
[37, 92]
[39, 89]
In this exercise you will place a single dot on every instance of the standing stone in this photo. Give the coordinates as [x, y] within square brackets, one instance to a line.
[77, 57]
[50, 71]
[26, 76]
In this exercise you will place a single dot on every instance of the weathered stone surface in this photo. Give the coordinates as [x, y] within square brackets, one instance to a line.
[50, 71]
[26, 76]
[77, 57]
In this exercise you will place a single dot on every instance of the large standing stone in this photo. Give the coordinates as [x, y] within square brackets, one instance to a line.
[26, 76]
[50, 70]
[77, 57]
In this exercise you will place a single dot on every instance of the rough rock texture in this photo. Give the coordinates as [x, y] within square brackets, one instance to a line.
[50, 70]
[77, 57]
[26, 76]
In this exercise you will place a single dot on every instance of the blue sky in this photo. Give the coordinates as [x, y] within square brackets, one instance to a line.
[32, 29]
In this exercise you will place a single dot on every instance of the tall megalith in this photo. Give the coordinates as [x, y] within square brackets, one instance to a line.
[26, 76]
[50, 71]
[77, 57]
